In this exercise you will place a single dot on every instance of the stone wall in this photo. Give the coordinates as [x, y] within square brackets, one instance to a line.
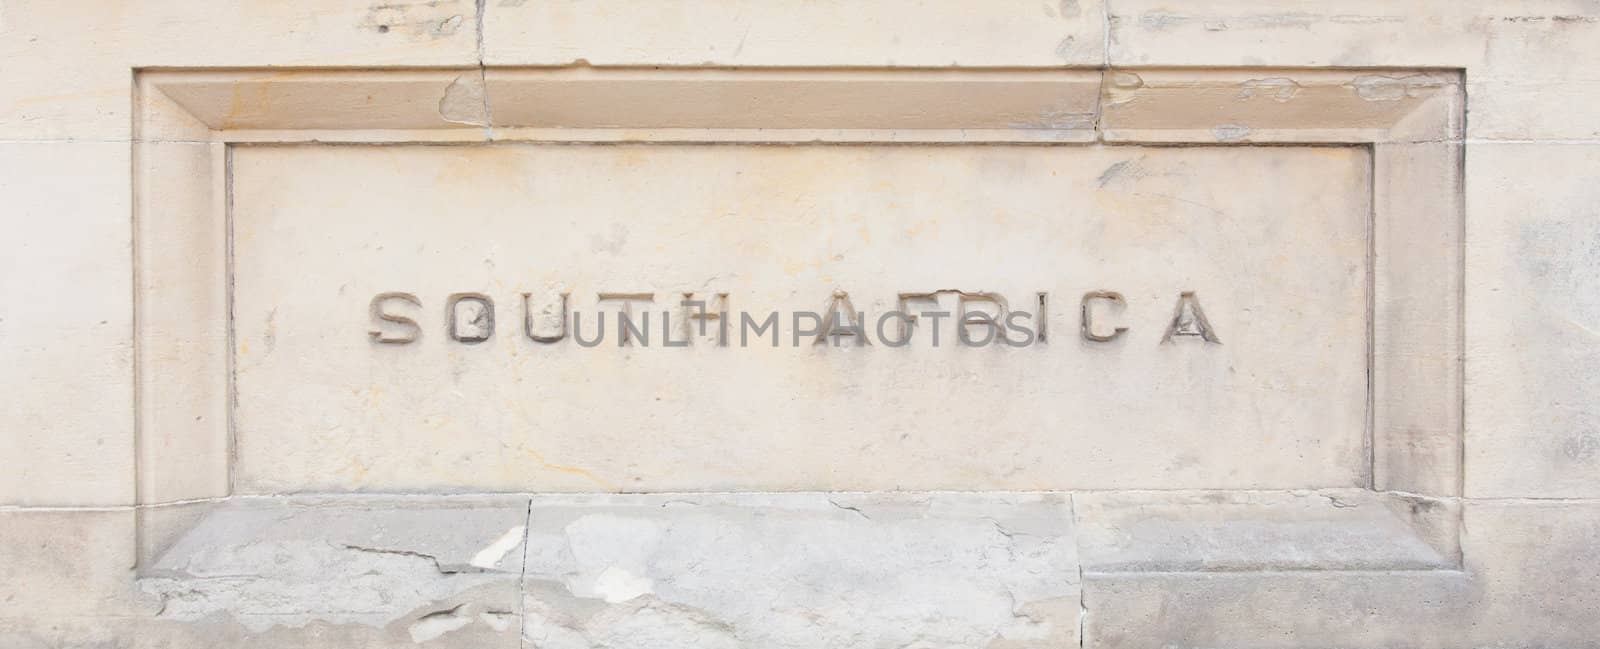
[219, 430]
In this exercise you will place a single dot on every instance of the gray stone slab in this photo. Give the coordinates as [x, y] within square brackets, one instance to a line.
[423, 565]
[804, 570]
[1529, 580]
[1262, 609]
[1344, 529]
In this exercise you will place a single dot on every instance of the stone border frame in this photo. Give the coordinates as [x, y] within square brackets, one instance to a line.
[185, 121]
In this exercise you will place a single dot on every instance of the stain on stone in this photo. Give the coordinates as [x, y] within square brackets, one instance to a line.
[1059, 119]
[270, 336]
[1164, 20]
[498, 620]
[433, 19]
[1127, 80]
[463, 101]
[1160, 20]
[1123, 88]
[1582, 446]
[1420, 505]
[438, 623]
[1281, 89]
[1064, 48]
[1379, 88]
[446, 27]
[1565, 18]
[612, 242]
[1559, 258]
[1382, 87]
[1230, 132]
[1112, 172]
[1357, 19]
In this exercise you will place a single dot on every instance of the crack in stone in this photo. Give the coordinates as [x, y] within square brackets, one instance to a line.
[857, 510]
[443, 570]
[483, 78]
[527, 535]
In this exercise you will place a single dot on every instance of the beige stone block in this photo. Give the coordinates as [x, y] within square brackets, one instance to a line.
[780, 229]
[1536, 80]
[1527, 61]
[184, 310]
[181, 278]
[70, 64]
[1533, 301]
[1414, 442]
[1535, 109]
[297, 105]
[1283, 32]
[934, 33]
[1353, 33]
[619, 104]
[1534, 563]
[65, 325]
[798, 105]
[1276, 106]
[1417, 367]
[62, 564]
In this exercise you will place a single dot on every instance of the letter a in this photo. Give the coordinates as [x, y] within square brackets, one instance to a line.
[1188, 319]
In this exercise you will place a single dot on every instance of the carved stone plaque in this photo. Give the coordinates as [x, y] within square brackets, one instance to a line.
[688, 317]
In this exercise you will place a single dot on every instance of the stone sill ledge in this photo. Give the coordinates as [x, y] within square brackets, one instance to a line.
[1010, 564]
[1115, 531]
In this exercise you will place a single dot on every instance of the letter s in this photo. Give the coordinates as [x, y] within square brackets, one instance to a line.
[380, 316]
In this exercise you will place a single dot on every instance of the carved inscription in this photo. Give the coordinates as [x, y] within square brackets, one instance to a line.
[687, 317]
[981, 319]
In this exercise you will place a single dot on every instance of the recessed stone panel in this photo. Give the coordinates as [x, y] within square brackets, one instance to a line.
[411, 318]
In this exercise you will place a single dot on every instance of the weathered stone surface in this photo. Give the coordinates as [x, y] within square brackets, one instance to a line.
[1278, 609]
[804, 570]
[61, 563]
[131, 268]
[65, 323]
[1416, 384]
[1526, 59]
[1237, 106]
[70, 65]
[1532, 308]
[1478, 34]
[787, 229]
[708, 570]
[1534, 561]
[1528, 582]
[422, 566]
[1346, 529]
[936, 33]
[145, 633]
[183, 412]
